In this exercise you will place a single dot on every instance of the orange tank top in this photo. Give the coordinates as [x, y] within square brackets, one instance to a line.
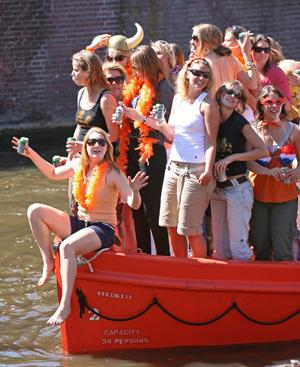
[266, 188]
[104, 209]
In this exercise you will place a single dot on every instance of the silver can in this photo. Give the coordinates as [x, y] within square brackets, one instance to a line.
[285, 180]
[119, 114]
[160, 111]
[23, 145]
[71, 139]
[221, 177]
[55, 161]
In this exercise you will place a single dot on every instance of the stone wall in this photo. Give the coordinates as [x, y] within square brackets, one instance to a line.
[37, 38]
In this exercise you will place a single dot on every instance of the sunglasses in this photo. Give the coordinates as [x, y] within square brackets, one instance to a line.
[91, 142]
[117, 58]
[231, 92]
[162, 42]
[195, 38]
[270, 102]
[117, 80]
[259, 50]
[196, 72]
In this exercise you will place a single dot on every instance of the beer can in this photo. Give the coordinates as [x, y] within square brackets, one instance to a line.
[71, 139]
[221, 177]
[23, 145]
[160, 111]
[285, 180]
[55, 160]
[119, 113]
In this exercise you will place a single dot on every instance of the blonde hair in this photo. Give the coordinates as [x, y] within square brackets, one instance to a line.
[182, 82]
[212, 35]
[107, 66]
[167, 51]
[90, 62]
[108, 157]
[226, 87]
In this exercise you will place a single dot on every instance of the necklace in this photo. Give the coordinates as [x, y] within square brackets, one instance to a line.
[144, 105]
[85, 196]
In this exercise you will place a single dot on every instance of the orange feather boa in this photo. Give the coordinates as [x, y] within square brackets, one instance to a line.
[144, 106]
[86, 196]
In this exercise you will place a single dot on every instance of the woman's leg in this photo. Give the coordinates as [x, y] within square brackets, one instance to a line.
[283, 228]
[260, 230]
[79, 243]
[142, 229]
[239, 205]
[151, 195]
[178, 242]
[44, 219]
[198, 245]
[218, 204]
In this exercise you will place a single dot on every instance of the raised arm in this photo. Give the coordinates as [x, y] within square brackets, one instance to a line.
[59, 173]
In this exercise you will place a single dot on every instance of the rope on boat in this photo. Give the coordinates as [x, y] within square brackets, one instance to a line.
[83, 304]
[82, 260]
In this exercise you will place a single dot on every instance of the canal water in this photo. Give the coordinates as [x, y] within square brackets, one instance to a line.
[25, 338]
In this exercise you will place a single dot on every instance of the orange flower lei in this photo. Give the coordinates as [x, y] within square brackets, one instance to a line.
[144, 105]
[86, 197]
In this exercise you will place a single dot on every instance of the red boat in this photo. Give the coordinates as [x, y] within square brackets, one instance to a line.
[131, 301]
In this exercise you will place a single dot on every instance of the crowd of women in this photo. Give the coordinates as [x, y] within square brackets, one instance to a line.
[226, 147]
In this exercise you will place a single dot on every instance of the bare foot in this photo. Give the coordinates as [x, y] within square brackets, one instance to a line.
[48, 268]
[60, 315]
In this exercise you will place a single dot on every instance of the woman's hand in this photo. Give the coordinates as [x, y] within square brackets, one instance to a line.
[74, 147]
[294, 80]
[291, 174]
[205, 178]
[276, 173]
[221, 166]
[132, 113]
[245, 44]
[16, 143]
[100, 41]
[139, 181]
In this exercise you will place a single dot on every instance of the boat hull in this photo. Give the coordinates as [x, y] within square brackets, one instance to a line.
[149, 301]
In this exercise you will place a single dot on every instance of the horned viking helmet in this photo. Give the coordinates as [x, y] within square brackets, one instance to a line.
[123, 44]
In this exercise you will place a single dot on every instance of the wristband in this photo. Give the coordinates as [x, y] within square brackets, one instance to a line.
[89, 48]
[161, 123]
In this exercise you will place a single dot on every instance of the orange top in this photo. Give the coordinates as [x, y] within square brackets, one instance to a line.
[104, 209]
[266, 188]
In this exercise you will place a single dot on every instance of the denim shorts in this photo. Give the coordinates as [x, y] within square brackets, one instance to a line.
[105, 232]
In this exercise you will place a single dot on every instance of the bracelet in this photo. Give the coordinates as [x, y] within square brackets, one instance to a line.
[89, 48]
[161, 123]
[250, 65]
[145, 119]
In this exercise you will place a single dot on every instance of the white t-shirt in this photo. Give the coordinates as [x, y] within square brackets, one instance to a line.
[189, 131]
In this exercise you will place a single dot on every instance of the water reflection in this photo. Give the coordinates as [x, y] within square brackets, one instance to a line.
[26, 339]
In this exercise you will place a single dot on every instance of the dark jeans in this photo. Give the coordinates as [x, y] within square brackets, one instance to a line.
[146, 217]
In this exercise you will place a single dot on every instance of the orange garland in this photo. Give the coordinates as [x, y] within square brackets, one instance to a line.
[144, 105]
[86, 197]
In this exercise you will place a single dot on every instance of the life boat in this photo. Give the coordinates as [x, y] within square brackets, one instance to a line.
[137, 301]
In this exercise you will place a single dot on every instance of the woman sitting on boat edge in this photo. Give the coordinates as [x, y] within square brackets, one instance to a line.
[97, 182]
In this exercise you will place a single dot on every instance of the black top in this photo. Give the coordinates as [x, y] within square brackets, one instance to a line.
[87, 119]
[166, 96]
[230, 140]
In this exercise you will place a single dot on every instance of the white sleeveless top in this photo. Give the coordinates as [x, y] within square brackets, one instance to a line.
[189, 138]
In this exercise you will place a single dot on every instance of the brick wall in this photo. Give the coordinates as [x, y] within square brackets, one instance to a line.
[37, 38]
